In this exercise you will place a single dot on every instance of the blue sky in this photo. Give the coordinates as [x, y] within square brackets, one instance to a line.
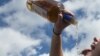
[30, 35]
[3, 2]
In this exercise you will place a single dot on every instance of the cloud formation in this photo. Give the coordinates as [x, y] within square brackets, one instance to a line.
[12, 41]
[21, 24]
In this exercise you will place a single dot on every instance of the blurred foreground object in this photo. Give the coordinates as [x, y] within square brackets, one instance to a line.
[50, 9]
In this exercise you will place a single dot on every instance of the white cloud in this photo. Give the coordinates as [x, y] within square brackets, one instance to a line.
[11, 40]
[44, 54]
[14, 42]
[21, 19]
